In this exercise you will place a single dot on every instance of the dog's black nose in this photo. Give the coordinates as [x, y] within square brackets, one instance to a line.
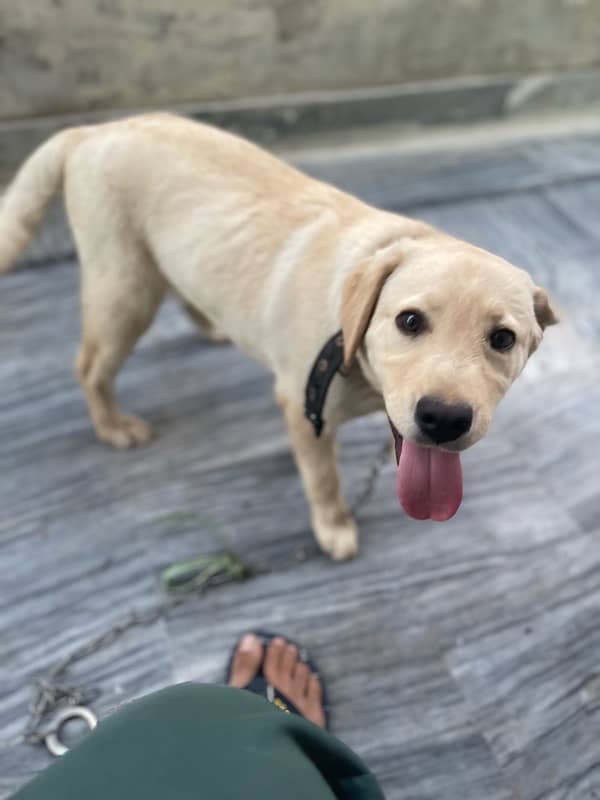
[442, 422]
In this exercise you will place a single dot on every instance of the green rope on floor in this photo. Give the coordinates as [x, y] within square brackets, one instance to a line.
[200, 573]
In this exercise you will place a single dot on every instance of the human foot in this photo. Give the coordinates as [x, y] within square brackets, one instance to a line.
[284, 671]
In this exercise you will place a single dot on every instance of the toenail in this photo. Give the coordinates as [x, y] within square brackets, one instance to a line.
[247, 643]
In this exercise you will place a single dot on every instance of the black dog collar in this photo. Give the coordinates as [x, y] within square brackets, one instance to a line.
[328, 362]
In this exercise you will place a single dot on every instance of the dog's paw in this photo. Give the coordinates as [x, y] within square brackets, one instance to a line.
[126, 431]
[339, 538]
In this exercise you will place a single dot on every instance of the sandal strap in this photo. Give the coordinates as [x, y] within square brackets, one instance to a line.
[258, 685]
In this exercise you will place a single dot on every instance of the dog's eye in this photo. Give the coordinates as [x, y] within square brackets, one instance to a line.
[410, 322]
[502, 339]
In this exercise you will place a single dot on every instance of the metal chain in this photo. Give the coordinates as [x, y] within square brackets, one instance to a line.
[381, 458]
[50, 695]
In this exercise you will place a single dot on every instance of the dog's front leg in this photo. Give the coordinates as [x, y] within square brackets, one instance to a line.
[332, 522]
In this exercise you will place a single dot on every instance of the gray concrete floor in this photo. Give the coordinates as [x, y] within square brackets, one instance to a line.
[463, 660]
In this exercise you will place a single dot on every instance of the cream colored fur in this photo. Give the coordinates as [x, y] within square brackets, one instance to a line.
[276, 262]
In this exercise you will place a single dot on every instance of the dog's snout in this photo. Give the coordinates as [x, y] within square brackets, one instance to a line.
[442, 422]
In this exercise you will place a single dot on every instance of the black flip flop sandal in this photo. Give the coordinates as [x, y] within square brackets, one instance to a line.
[260, 686]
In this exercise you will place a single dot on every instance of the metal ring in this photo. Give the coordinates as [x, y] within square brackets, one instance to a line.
[53, 743]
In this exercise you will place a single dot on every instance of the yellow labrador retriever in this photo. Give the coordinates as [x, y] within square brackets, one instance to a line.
[306, 279]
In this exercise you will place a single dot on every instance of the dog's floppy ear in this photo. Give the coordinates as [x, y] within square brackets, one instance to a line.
[544, 313]
[360, 294]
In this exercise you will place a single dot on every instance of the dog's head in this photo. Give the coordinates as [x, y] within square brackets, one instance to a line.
[442, 329]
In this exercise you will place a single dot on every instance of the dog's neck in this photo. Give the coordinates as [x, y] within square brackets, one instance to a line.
[367, 371]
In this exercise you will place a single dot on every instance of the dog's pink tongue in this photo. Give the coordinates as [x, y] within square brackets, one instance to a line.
[429, 482]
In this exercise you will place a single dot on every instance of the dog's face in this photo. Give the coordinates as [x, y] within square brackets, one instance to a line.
[457, 326]
[452, 326]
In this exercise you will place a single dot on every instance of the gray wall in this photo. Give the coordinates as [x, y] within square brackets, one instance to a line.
[70, 55]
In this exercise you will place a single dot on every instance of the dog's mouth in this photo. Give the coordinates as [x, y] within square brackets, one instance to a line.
[429, 482]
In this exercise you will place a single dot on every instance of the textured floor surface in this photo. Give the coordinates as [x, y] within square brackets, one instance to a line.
[463, 659]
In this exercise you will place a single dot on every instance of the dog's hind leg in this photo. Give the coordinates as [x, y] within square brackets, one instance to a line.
[121, 290]
[332, 522]
[204, 324]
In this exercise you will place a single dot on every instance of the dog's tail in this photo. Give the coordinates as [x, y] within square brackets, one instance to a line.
[23, 204]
